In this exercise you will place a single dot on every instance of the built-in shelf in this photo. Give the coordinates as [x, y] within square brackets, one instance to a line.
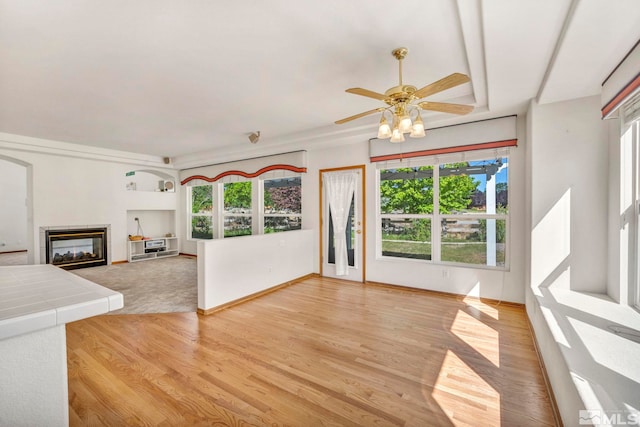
[154, 248]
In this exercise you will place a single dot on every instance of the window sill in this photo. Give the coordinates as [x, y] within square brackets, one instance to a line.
[429, 262]
[596, 338]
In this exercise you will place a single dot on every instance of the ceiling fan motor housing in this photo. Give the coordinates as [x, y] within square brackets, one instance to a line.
[402, 93]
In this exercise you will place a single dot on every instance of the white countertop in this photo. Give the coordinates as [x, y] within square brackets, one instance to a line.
[34, 297]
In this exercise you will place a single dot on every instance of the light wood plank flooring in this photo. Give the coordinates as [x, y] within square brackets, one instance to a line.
[320, 352]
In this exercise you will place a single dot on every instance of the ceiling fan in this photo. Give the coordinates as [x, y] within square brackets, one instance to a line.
[402, 100]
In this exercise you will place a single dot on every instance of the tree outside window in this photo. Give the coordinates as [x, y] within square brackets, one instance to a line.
[282, 204]
[202, 212]
[237, 209]
[406, 206]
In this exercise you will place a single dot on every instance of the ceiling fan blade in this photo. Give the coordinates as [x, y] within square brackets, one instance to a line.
[367, 93]
[357, 116]
[448, 82]
[446, 107]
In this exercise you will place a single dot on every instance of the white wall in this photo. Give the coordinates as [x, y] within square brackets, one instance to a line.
[567, 160]
[71, 188]
[569, 198]
[231, 269]
[154, 223]
[13, 206]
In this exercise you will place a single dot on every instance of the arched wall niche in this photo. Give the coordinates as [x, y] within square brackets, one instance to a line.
[150, 180]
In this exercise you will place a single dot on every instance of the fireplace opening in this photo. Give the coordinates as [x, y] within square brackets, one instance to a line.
[76, 248]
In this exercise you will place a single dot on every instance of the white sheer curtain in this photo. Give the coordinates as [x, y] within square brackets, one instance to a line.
[340, 187]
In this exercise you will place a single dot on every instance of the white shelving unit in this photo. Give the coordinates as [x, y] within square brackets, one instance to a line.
[158, 247]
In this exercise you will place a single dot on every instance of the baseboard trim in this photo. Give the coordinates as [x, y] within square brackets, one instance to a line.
[186, 254]
[13, 252]
[124, 261]
[488, 301]
[250, 297]
[545, 376]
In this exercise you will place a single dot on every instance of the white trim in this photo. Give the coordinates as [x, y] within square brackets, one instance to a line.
[484, 131]
[445, 158]
[65, 149]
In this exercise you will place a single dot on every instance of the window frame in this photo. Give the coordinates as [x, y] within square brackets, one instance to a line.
[224, 215]
[192, 215]
[257, 213]
[436, 217]
[401, 216]
[262, 215]
[632, 119]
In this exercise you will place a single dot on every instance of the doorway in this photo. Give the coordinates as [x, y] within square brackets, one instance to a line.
[343, 239]
[16, 218]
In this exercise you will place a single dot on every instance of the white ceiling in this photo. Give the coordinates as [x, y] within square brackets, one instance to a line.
[173, 78]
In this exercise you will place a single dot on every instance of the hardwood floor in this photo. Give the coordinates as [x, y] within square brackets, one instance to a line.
[320, 352]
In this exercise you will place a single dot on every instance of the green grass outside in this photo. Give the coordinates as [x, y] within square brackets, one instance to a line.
[418, 250]
[468, 253]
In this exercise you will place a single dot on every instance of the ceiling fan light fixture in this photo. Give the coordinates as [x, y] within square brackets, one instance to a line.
[417, 130]
[397, 135]
[404, 123]
[384, 130]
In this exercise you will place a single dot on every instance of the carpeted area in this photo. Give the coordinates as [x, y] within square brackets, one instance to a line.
[167, 285]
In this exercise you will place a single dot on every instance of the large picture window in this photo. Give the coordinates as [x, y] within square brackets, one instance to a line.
[454, 212]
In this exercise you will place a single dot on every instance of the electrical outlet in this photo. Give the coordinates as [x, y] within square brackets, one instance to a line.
[136, 219]
[445, 274]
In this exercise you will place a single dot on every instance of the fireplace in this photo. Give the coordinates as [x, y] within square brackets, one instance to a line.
[76, 248]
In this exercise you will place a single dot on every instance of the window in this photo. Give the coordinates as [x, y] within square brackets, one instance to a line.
[237, 209]
[406, 207]
[201, 212]
[453, 212]
[630, 191]
[282, 204]
[230, 209]
[474, 207]
[634, 134]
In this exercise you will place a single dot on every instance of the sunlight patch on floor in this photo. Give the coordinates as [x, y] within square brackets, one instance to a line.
[458, 388]
[486, 308]
[469, 329]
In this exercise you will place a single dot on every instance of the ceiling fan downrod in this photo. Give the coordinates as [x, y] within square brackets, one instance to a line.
[399, 54]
